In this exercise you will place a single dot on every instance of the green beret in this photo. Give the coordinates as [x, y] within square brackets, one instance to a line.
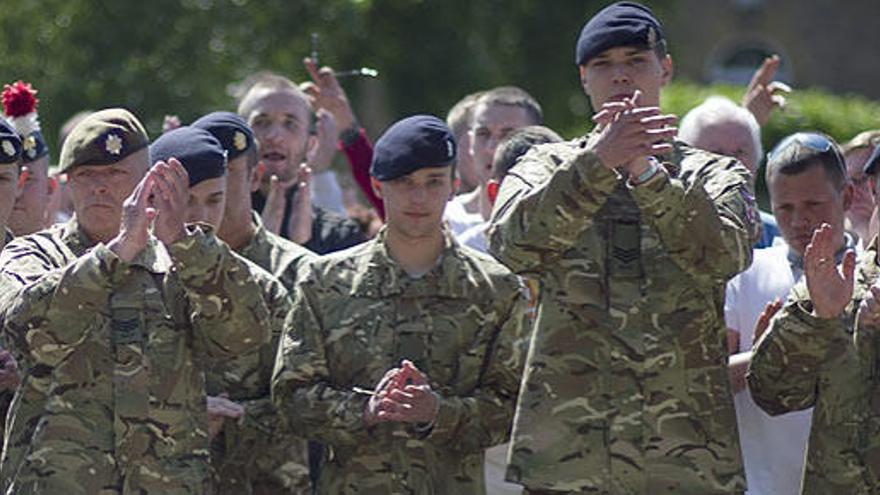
[103, 138]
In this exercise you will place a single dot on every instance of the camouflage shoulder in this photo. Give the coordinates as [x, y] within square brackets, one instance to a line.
[49, 242]
[341, 265]
[492, 272]
[540, 161]
[706, 164]
[290, 248]
[267, 281]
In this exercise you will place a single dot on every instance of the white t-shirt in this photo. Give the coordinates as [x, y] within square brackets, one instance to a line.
[475, 237]
[773, 448]
[458, 218]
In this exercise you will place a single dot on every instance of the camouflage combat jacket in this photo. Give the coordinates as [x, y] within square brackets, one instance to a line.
[832, 365]
[625, 390]
[113, 399]
[356, 315]
[257, 454]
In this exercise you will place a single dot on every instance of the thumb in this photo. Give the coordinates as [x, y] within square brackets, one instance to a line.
[849, 266]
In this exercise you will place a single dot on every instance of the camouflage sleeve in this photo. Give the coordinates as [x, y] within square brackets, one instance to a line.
[34, 294]
[256, 429]
[228, 310]
[706, 225]
[544, 204]
[482, 419]
[301, 388]
[787, 361]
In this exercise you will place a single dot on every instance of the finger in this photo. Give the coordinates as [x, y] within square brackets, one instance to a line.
[654, 135]
[778, 101]
[636, 99]
[312, 70]
[659, 121]
[661, 148]
[401, 395]
[765, 72]
[778, 87]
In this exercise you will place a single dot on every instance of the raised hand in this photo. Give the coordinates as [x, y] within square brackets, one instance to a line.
[299, 225]
[629, 132]
[324, 91]
[273, 211]
[137, 216]
[764, 94]
[170, 200]
[830, 287]
[763, 322]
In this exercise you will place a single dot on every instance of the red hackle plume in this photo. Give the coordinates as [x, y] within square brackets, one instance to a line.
[19, 99]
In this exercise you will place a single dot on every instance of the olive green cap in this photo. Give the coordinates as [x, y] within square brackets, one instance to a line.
[103, 138]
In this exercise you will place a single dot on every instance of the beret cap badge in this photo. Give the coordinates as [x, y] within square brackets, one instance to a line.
[240, 141]
[8, 148]
[113, 145]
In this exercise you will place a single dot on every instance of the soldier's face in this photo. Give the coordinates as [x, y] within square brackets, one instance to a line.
[729, 139]
[10, 187]
[863, 200]
[29, 213]
[491, 124]
[618, 72]
[280, 121]
[207, 201]
[98, 192]
[802, 202]
[414, 203]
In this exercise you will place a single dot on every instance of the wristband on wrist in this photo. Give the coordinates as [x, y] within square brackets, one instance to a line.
[348, 135]
[648, 173]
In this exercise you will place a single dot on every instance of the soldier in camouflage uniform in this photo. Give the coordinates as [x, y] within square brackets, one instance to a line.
[625, 389]
[10, 186]
[254, 454]
[821, 351]
[114, 326]
[453, 316]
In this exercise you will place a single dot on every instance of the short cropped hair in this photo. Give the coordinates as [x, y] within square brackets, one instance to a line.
[265, 81]
[515, 97]
[717, 109]
[794, 159]
[516, 144]
[459, 117]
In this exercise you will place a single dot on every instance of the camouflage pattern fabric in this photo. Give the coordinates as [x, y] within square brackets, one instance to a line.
[625, 389]
[5, 395]
[832, 365]
[113, 399]
[356, 315]
[258, 454]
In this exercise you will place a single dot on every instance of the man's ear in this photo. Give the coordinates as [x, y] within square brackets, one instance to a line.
[456, 184]
[492, 188]
[23, 175]
[257, 175]
[377, 187]
[667, 68]
[847, 196]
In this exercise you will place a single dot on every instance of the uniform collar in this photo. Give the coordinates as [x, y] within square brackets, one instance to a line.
[381, 276]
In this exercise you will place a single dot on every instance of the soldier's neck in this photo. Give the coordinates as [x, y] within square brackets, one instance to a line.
[416, 255]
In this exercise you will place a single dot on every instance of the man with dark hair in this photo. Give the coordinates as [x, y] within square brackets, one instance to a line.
[632, 238]
[807, 187]
[496, 113]
[400, 354]
[820, 351]
[279, 113]
[254, 454]
[515, 145]
[113, 318]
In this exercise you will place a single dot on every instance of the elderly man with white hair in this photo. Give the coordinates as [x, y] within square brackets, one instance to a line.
[721, 126]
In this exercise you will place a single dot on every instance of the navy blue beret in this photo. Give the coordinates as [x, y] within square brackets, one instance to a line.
[619, 24]
[231, 130]
[420, 141]
[873, 162]
[10, 144]
[196, 149]
[33, 147]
